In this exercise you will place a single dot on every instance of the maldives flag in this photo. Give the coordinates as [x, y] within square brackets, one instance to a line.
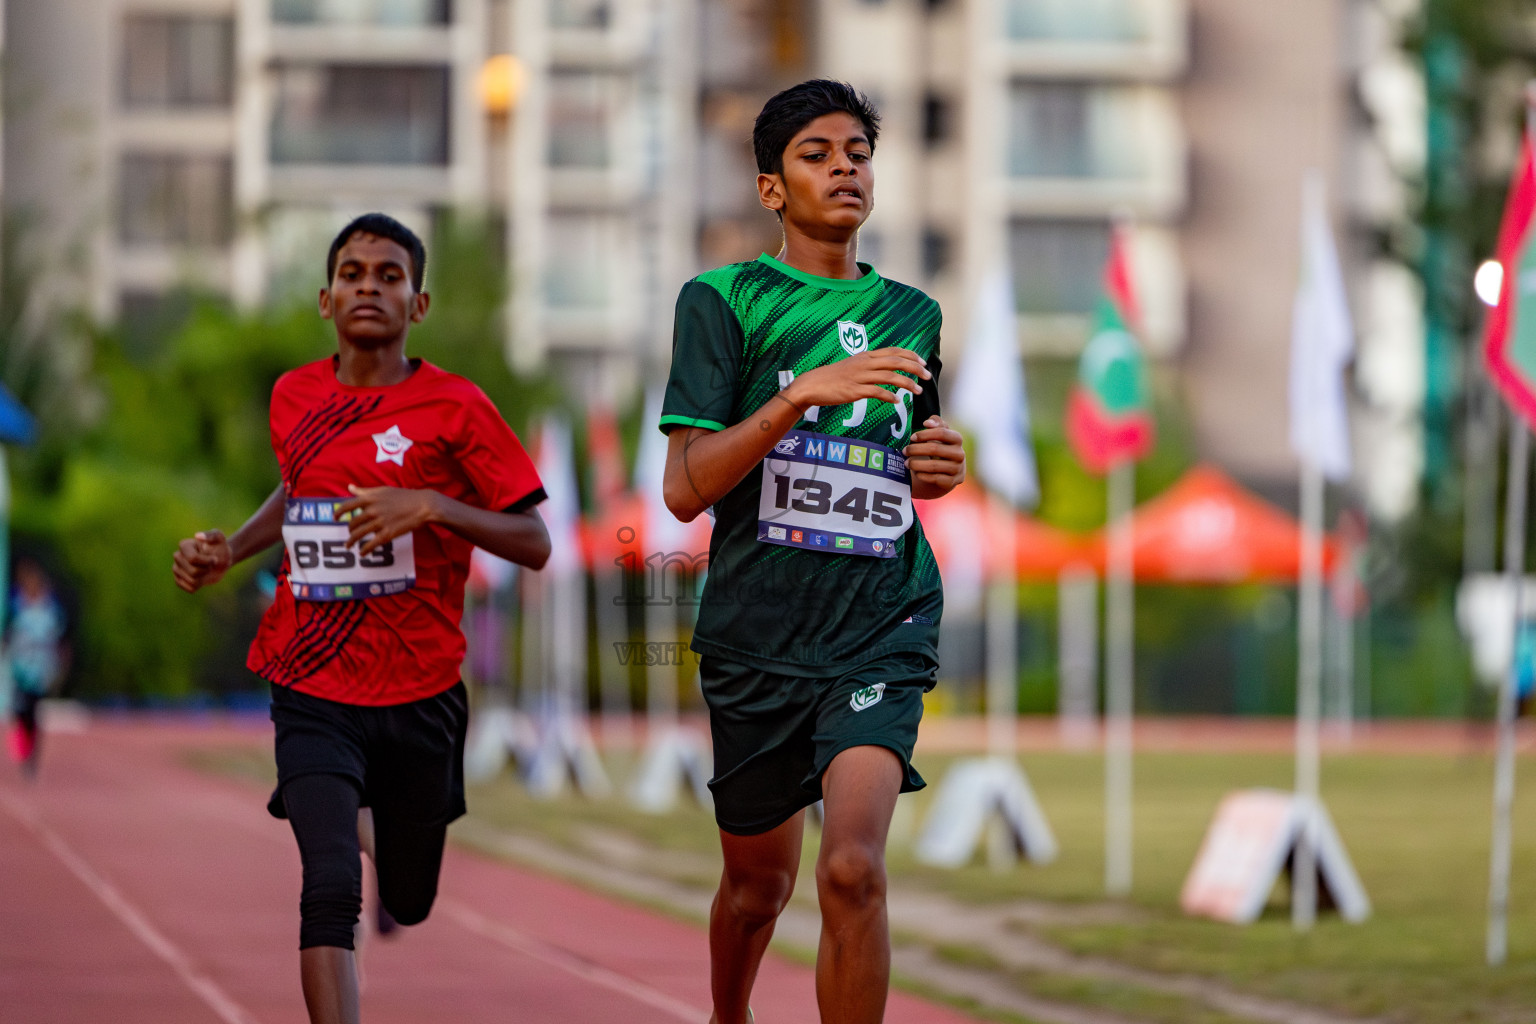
[1109, 417]
[1509, 339]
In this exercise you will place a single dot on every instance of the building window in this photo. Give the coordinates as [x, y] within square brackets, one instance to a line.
[578, 269]
[1085, 20]
[1058, 265]
[176, 199]
[594, 15]
[579, 121]
[938, 119]
[1073, 130]
[937, 249]
[362, 12]
[361, 114]
[178, 61]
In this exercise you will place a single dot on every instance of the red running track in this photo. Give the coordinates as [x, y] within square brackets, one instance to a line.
[136, 890]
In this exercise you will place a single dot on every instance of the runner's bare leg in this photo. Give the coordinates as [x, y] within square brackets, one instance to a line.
[853, 964]
[755, 886]
[329, 976]
[329, 973]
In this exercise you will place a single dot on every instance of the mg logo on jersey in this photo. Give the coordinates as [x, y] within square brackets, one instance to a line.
[867, 697]
[853, 337]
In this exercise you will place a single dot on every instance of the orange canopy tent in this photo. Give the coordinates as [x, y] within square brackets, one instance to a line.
[961, 524]
[1207, 529]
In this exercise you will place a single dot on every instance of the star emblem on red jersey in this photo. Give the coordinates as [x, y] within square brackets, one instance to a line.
[392, 446]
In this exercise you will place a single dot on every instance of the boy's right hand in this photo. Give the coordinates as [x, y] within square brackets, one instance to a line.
[201, 560]
[869, 374]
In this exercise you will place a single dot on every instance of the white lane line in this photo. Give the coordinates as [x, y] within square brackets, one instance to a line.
[204, 987]
[570, 963]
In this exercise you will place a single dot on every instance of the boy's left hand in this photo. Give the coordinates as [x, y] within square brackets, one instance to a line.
[381, 514]
[936, 458]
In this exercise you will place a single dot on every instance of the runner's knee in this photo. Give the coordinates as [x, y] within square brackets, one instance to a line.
[409, 862]
[758, 896]
[410, 906]
[323, 812]
[851, 873]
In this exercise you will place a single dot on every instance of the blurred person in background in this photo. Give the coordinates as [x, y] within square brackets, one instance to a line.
[34, 645]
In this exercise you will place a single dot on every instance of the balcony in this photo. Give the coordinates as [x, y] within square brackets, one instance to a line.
[1140, 40]
[1058, 267]
[596, 149]
[358, 114]
[366, 31]
[596, 33]
[590, 281]
[1088, 149]
[397, 13]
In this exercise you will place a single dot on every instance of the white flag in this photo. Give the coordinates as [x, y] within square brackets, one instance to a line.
[562, 510]
[1322, 343]
[989, 399]
[662, 530]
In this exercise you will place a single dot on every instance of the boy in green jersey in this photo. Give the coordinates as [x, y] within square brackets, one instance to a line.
[803, 408]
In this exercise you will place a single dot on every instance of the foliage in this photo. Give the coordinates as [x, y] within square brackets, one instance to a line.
[182, 446]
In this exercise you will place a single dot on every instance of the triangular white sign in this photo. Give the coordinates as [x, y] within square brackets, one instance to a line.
[972, 792]
[1250, 842]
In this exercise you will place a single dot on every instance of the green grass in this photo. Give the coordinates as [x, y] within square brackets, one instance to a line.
[1416, 826]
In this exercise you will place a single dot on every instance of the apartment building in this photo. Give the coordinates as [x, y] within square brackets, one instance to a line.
[600, 188]
[630, 170]
[159, 143]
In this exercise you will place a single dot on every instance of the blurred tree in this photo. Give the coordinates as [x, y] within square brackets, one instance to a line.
[1474, 55]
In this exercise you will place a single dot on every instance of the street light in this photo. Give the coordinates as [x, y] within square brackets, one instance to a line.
[501, 83]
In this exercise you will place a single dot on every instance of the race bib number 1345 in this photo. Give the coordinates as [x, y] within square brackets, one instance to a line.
[836, 495]
[322, 567]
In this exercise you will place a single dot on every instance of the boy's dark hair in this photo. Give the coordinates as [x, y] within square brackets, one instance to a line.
[794, 108]
[382, 225]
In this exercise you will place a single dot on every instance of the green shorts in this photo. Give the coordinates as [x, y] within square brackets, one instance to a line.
[774, 735]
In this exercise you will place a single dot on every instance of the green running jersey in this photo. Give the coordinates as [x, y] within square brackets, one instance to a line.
[742, 333]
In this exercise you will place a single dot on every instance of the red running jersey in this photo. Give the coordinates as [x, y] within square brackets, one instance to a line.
[435, 431]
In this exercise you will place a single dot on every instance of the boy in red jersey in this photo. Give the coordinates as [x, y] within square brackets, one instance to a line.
[392, 472]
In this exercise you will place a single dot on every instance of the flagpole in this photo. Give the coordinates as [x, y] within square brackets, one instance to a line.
[1119, 690]
[1514, 572]
[1504, 761]
[1002, 640]
[1308, 696]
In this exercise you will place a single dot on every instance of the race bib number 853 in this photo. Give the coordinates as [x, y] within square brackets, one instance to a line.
[832, 494]
[322, 567]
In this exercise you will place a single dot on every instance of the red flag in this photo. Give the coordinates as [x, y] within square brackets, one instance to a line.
[1509, 339]
[605, 457]
[1109, 417]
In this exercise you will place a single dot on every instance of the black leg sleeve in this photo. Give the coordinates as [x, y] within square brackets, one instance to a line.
[410, 857]
[323, 812]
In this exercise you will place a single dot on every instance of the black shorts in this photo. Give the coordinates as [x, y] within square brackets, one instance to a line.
[775, 735]
[405, 759]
